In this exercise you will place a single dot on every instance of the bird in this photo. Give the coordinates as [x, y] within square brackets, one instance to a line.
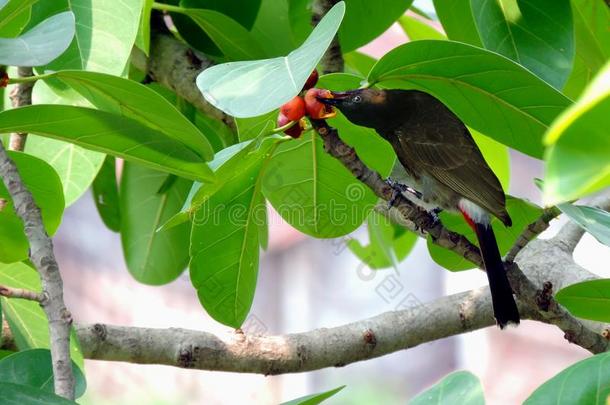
[443, 169]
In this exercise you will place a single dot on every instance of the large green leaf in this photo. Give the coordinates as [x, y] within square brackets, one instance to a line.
[14, 16]
[592, 40]
[143, 36]
[365, 20]
[236, 16]
[522, 214]
[75, 166]
[225, 247]
[250, 128]
[45, 186]
[457, 18]
[538, 34]
[358, 63]
[15, 394]
[110, 133]
[275, 28]
[388, 244]
[106, 195]
[314, 399]
[26, 319]
[41, 44]
[577, 157]
[34, 369]
[591, 219]
[105, 33]
[313, 191]
[152, 257]
[460, 387]
[240, 44]
[586, 382]
[134, 100]
[248, 89]
[489, 92]
[588, 299]
[417, 30]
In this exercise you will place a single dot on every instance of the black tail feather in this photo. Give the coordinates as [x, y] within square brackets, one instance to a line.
[505, 308]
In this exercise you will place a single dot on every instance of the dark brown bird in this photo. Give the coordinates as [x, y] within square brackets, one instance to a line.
[443, 164]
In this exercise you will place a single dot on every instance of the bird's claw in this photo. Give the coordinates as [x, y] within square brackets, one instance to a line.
[435, 218]
[397, 189]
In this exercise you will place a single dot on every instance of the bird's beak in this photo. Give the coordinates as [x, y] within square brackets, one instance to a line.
[334, 98]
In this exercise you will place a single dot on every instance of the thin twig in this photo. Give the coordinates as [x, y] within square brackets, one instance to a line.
[43, 258]
[533, 230]
[10, 292]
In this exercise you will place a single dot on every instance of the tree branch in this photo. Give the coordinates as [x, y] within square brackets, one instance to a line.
[41, 255]
[20, 96]
[332, 61]
[10, 292]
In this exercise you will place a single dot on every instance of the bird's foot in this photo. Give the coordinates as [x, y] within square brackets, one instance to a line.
[398, 189]
[435, 218]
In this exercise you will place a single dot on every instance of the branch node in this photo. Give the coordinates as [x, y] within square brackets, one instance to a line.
[606, 333]
[370, 339]
[187, 356]
[544, 297]
[100, 331]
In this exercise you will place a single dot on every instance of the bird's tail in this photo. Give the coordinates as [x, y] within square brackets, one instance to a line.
[505, 308]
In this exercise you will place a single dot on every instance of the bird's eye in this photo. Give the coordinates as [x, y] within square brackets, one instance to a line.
[357, 99]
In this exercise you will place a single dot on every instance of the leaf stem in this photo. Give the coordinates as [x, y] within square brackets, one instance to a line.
[168, 7]
[282, 128]
[29, 79]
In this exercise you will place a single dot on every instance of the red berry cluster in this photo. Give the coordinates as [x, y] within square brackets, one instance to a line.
[299, 107]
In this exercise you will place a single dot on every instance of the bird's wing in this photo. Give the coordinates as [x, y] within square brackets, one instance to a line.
[439, 143]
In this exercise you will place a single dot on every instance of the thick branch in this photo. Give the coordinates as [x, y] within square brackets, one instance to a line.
[20, 96]
[41, 255]
[176, 66]
[313, 350]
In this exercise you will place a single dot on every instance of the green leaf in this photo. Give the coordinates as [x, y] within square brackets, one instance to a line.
[33, 368]
[42, 181]
[490, 93]
[5, 353]
[417, 30]
[460, 387]
[143, 36]
[134, 100]
[313, 191]
[110, 133]
[14, 16]
[76, 167]
[458, 22]
[152, 257]
[242, 11]
[538, 34]
[26, 319]
[365, 20]
[588, 299]
[314, 399]
[105, 33]
[591, 219]
[225, 247]
[522, 214]
[14, 394]
[239, 45]
[387, 247]
[358, 63]
[577, 157]
[248, 89]
[586, 382]
[496, 155]
[41, 44]
[592, 40]
[106, 195]
[250, 128]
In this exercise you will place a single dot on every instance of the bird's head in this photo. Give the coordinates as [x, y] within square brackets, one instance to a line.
[365, 107]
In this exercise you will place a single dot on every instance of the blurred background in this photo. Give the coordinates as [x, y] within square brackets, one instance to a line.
[305, 284]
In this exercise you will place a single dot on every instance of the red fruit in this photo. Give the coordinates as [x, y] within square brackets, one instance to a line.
[294, 110]
[316, 109]
[311, 80]
[3, 79]
[295, 130]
